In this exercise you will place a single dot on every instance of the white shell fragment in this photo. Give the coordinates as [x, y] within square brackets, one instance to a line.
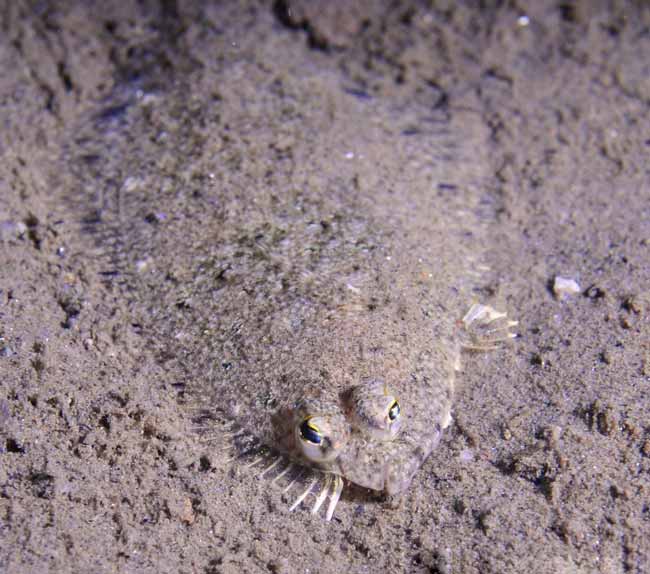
[563, 287]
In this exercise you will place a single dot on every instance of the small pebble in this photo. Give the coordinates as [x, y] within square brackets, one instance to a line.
[563, 287]
[12, 230]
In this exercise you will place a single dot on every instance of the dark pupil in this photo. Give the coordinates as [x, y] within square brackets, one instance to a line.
[394, 411]
[309, 433]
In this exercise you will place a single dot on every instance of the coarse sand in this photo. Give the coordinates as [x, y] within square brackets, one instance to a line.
[123, 125]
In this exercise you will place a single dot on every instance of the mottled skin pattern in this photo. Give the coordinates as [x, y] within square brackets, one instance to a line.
[357, 346]
[373, 408]
[388, 320]
[293, 280]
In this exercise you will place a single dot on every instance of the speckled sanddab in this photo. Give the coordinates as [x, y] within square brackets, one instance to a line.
[364, 436]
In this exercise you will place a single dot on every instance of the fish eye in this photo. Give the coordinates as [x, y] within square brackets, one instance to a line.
[394, 411]
[320, 437]
[310, 432]
[375, 410]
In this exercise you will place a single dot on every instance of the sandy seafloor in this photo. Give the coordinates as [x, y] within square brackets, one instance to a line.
[546, 466]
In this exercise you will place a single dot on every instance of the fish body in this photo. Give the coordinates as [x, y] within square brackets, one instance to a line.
[296, 282]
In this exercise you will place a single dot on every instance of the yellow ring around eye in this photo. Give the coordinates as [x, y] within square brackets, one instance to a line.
[312, 426]
[310, 432]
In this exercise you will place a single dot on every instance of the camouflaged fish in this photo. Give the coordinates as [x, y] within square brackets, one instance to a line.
[307, 274]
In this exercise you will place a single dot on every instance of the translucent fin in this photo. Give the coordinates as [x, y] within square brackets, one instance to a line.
[304, 495]
[283, 472]
[237, 444]
[293, 481]
[257, 460]
[270, 466]
[337, 489]
[323, 494]
[486, 328]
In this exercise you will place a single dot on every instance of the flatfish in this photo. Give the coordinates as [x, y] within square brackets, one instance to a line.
[302, 259]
